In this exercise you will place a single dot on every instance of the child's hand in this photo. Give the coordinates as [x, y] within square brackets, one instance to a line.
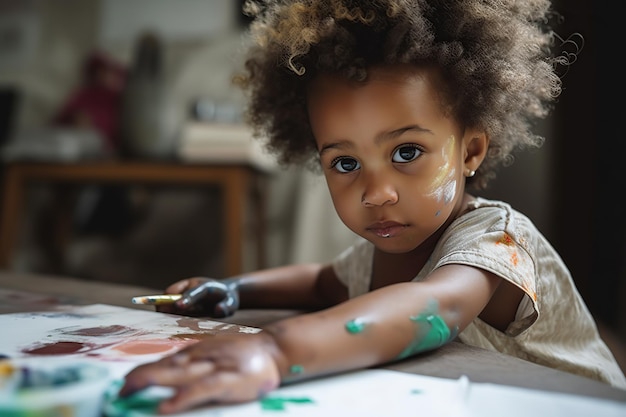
[227, 368]
[203, 297]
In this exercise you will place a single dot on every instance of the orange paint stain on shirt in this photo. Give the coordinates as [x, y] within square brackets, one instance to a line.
[505, 240]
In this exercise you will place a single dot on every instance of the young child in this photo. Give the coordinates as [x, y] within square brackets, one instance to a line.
[403, 104]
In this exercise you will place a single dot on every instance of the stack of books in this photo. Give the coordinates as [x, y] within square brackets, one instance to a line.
[223, 143]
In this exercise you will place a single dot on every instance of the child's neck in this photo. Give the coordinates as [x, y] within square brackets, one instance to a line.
[392, 268]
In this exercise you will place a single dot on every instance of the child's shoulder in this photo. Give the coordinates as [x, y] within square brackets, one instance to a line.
[488, 220]
[498, 213]
[478, 202]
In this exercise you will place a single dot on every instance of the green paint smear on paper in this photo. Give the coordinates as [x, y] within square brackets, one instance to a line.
[280, 403]
[142, 402]
[437, 333]
[134, 403]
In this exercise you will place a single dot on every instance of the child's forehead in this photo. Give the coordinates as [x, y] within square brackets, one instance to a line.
[398, 93]
[383, 80]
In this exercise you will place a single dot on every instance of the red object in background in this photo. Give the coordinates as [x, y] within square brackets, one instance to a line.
[96, 103]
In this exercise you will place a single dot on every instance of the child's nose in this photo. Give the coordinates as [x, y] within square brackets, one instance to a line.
[378, 192]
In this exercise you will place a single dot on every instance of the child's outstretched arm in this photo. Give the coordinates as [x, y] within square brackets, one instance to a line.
[304, 287]
[391, 323]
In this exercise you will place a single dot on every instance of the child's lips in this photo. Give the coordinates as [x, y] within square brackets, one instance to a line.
[386, 229]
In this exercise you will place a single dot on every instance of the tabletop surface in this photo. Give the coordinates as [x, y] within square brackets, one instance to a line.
[450, 361]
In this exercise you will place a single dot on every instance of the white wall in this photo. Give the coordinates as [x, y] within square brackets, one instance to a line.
[175, 20]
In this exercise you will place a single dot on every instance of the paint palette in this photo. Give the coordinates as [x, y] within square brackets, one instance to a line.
[117, 337]
[52, 388]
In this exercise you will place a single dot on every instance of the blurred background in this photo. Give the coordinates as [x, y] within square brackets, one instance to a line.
[167, 64]
[130, 80]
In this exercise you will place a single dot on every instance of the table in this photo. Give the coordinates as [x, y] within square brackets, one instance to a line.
[242, 185]
[450, 361]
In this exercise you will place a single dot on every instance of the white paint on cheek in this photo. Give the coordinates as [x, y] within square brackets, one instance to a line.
[443, 187]
[446, 192]
[449, 191]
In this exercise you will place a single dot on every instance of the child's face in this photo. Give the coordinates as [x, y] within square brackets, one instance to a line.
[393, 161]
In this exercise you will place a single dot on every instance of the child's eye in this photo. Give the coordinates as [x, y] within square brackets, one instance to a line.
[406, 153]
[345, 164]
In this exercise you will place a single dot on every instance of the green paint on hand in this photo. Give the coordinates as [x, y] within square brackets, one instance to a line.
[138, 404]
[144, 402]
[279, 403]
[355, 326]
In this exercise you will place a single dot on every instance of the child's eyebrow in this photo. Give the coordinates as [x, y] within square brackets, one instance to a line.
[382, 137]
[334, 145]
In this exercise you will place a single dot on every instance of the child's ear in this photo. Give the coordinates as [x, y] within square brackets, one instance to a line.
[475, 145]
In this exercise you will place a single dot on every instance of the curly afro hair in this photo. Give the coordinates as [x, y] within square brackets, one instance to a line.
[494, 55]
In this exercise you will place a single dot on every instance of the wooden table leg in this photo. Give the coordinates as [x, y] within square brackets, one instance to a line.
[11, 220]
[233, 231]
[259, 204]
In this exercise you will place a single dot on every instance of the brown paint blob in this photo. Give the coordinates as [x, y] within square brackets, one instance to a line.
[191, 336]
[193, 323]
[100, 331]
[190, 323]
[58, 348]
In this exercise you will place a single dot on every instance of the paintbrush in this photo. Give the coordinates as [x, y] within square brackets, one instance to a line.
[156, 299]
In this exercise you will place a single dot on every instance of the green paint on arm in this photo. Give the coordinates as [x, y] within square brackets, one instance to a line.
[296, 369]
[355, 326]
[437, 334]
